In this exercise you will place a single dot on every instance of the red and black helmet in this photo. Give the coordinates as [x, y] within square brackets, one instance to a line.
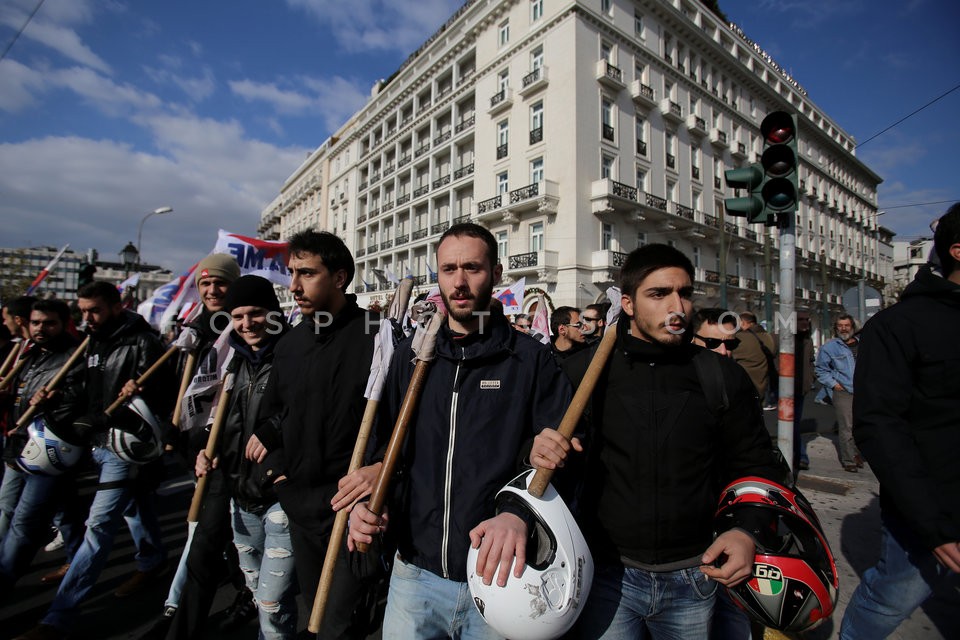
[794, 582]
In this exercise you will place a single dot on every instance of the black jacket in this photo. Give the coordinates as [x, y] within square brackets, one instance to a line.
[251, 484]
[314, 404]
[123, 351]
[40, 368]
[486, 395]
[658, 456]
[906, 408]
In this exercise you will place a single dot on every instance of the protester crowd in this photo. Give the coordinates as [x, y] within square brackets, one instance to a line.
[431, 429]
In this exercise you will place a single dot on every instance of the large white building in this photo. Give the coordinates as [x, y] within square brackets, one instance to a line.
[575, 131]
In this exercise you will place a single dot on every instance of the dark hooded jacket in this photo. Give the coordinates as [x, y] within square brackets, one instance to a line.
[658, 455]
[486, 395]
[907, 406]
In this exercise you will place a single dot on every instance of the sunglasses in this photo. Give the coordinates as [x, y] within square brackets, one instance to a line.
[586, 319]
[714, 343]
[575, 325]
[522, 326]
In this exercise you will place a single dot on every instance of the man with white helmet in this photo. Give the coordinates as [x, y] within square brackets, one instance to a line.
[45, 485]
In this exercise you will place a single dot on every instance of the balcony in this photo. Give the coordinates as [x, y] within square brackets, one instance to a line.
[739, 151]
[500, 101]
[609, 75]
[713, 277]
[361, 252]
[536, 135]
[609, 197]
[643, 95]
[463, 171]
[718, 138]
[403, 239]
[717, 184]
[671, 111]
[696, 125]
[502, 151]
[419, 191]
[404, 199]
[671, 161]
[606, 266]
[443, 137]
[422, 149]
[533, 81]
[386, 244]
[404, 160]
[695, 172]
[461, 218]
[418, 234]
[540, 196]
[361, 218]
[363, 185]
[439, 228]
[463, 125]
[441, 181]
[387, 206]
[372, 248]
[641, 148]
[543, 264]
[607, 132]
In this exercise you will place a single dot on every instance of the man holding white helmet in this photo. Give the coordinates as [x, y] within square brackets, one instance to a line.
[122, 347]
[46, 485]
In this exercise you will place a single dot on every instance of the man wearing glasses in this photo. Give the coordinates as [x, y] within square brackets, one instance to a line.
[566, 327]
[715, 329]
[594, 321]
[521, 322]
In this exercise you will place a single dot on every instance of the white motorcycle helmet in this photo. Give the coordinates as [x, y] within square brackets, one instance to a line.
[139, 440]
[546, 600]
[46, 453]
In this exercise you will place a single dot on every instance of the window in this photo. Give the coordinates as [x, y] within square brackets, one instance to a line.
[638, 24]
[668, 146]
[606, 52]
[641, 239]
[502, 184]
[503, 80]
[536, 10]
[536, 59]
[606, 237]
[536, 170]
[606, 6]
[502, 246]
[607, 163]
[697, 257]
[536, 122]
[639, 72]
[536, 236]
[503, 33]
[641, 132]
[503, 132]
[607, 119]
[641, 179]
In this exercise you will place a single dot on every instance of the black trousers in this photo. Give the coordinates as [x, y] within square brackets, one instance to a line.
[206, 566]
[346, 592]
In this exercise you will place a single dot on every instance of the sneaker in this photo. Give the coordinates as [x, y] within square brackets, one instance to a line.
[56, 576]
[242, 611]
[769, 407]
[139, 580]
[42, 632]
[56, 543]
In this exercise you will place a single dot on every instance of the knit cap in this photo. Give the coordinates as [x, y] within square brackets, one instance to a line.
[221, 265]
[251, 291]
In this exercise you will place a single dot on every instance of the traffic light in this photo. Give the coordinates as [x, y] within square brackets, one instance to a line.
[779, 164]
[751, 179]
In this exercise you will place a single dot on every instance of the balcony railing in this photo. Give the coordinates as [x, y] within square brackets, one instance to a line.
[489, 204]
[419, 234]
[440, 227]
[619, 258]
[443, 137]
[711, 221]
[388, 169]
[465, 124]
[612, 72]
[536, 135]
[523, 260]
[531, 77]
[607, 132]
[498, 97]
[463, 171]
[712, 276]
[716, 183]
[361, 252]
[404, 239]
[404, 199]
[362, 185]
[501, 151]
[655, 202]
[419, 280]
[671, 161]
[422, 149]
[361, 218]
[462, 218]
[404, 159]
[641, 147]
[523, 193]
[695, 172]
[419, 191]
[645, 91]
[442, 180]
[683, 212]
[386, 244]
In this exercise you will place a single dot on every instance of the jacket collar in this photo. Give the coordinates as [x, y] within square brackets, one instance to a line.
[496, 338]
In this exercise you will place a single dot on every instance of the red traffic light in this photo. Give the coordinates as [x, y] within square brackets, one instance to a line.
[778, 128]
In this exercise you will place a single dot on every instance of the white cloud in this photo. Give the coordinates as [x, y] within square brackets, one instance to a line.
[333, 99]
[18, 86]
[376, 25]
[196, 87]
[52, 26]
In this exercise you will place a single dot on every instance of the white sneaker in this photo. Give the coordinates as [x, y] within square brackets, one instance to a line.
[56, 543]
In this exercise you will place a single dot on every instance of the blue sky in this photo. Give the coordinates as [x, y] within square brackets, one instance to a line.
[111, 108]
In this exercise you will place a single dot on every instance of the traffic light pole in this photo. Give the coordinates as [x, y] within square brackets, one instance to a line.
[723, 262]
[786, 408]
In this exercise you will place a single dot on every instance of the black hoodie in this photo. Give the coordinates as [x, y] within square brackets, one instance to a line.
[907, 406]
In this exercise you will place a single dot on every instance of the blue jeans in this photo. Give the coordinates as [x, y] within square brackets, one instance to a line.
[10, 490]
[889, 592]
[266, 559]
[111, 504]
[180, 577]
[627, 603]
[425, 606]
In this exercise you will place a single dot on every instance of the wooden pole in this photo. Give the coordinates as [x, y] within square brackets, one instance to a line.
[211, 449]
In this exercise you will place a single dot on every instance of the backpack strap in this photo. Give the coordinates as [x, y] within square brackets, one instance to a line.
[712, 381]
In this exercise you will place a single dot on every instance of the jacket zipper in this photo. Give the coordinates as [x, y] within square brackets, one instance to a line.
[448, 471]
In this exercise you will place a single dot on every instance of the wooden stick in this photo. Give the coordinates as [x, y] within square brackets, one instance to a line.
[211, 450]
[340, 524]
[54, 382]
[580, 399]
[142, 379]
[13, 373]
[184, 383]
[392, 456]
[12, 357]
[402, 300]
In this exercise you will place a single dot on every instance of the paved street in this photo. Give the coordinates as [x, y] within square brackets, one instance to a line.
[845, 502]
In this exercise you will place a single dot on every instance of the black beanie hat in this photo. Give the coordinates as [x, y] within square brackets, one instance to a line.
[251, 291]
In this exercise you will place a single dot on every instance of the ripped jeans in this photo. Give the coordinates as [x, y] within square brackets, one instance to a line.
[266, 559]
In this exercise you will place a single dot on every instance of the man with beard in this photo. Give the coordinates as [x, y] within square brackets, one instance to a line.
[122, 347]
[312, 409]
[836, 362]
[659, 453]
[43, 494]
[488, 391]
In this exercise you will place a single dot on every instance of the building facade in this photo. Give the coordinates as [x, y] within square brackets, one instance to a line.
[576, 131]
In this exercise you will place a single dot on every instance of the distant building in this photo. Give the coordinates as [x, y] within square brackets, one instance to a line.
[908, 257]
[577, 131]
[21, 266]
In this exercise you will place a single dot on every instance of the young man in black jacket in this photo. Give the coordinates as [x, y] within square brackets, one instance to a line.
[907, 424]
[261, 529]
[658, 456]
[313, 407]
[486, 394]
[122, 347]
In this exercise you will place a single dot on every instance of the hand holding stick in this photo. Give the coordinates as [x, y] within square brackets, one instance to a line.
[54, 383]
[211, 449]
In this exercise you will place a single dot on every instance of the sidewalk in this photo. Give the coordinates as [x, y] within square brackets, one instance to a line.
[848, 507]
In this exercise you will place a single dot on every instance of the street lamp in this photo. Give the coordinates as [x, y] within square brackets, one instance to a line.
[130, 256]
[155, 212]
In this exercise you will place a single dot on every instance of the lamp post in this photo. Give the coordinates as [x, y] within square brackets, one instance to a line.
[155, 212]
[130, 257]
